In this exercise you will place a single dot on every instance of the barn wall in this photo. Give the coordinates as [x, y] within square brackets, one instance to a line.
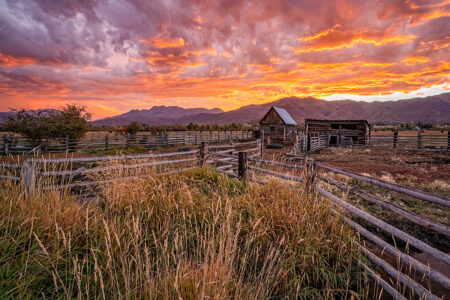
[357, 131]
[271, 118]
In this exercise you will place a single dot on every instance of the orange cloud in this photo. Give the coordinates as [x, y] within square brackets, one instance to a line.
[10, 61]
[220, 53]
[336, 38]
[165, 43]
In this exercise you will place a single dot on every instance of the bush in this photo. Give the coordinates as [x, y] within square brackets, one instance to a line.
[134, 128]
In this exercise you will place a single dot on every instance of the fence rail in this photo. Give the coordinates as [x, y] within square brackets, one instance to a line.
[21, 145]
[395, 141]
[396, 274]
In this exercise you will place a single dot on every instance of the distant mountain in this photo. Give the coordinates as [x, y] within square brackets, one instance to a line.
[157, 115]
[428, 109]
[5, 115]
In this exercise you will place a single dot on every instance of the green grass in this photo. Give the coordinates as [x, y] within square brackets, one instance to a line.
[193, 235]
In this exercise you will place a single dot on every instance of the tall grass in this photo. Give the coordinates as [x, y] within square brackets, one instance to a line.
[186, 236]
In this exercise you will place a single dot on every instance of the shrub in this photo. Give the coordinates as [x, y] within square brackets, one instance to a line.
[134, 128]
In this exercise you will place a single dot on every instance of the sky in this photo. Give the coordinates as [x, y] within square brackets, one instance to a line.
[115, 55]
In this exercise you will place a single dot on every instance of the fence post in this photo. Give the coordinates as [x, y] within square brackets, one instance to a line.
[395, 139]
[419, 140]
[210, 136]
[6, 144]
[203, 153]
[107, 143]
[262, 142]
[448, 139]
[29, 177]
[67, 144]
[242, 170]
[127, 142]
[340, 136]
[196, 138]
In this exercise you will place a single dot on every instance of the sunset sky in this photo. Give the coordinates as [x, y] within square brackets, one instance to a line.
[117, 55]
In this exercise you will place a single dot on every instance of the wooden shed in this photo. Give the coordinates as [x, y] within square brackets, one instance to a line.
[339, 132]
[278, 124]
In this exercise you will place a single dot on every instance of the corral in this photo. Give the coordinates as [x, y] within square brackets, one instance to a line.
[402, 222]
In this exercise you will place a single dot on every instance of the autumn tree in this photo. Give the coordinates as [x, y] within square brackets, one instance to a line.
[70, 120]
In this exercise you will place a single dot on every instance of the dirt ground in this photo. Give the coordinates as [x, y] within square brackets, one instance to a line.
[402, 166]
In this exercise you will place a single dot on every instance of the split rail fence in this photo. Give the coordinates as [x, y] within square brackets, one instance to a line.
[244, 160]
[400, 284]
[21, 145]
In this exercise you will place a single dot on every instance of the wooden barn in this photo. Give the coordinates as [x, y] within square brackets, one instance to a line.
[339, 132]
[278, 124]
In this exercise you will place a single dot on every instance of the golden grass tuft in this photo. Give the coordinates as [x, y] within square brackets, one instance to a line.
[187, 236]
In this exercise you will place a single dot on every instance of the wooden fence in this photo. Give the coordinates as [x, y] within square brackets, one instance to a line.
[20, 145]
[73, 172]
[244, 160]
[395, 141]
[421, 141]
[239, 166]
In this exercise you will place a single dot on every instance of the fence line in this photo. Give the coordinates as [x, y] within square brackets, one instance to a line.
[391, 186]
[23, 145]
[427, 271]
[227, 162]
[313, 142]
[443, 229]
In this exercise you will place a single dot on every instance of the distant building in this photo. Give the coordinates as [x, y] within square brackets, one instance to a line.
[278, 124]
[339, 132]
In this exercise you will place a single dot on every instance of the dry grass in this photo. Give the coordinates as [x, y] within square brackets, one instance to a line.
[187, 236]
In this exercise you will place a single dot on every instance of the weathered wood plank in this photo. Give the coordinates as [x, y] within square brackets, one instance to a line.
[387, 227]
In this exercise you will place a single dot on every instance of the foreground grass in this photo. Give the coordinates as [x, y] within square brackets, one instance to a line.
[189, 236]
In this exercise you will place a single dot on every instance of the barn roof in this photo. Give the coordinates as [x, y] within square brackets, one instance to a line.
[336, 121]
[284, 115]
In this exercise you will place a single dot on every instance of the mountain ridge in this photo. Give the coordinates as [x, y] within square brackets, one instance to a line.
[421, 109]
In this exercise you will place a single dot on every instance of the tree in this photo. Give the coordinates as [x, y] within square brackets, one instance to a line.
[133, 128]
[70, 120]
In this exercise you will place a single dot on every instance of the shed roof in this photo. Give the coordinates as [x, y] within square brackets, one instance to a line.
[284, 115]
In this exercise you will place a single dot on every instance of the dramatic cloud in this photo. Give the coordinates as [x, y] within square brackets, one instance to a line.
[113, 55]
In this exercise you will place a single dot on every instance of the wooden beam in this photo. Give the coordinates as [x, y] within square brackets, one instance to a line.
[391, 186]
[387, 227]
[443, 229]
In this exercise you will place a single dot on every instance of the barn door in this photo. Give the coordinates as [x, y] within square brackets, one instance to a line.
[272, 133]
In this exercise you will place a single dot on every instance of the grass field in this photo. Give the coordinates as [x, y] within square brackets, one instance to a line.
[187, 236]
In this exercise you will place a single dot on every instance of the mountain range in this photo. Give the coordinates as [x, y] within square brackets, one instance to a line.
[428, 109]
[157, 115]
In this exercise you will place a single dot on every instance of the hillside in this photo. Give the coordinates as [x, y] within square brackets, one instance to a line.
[428, 109]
